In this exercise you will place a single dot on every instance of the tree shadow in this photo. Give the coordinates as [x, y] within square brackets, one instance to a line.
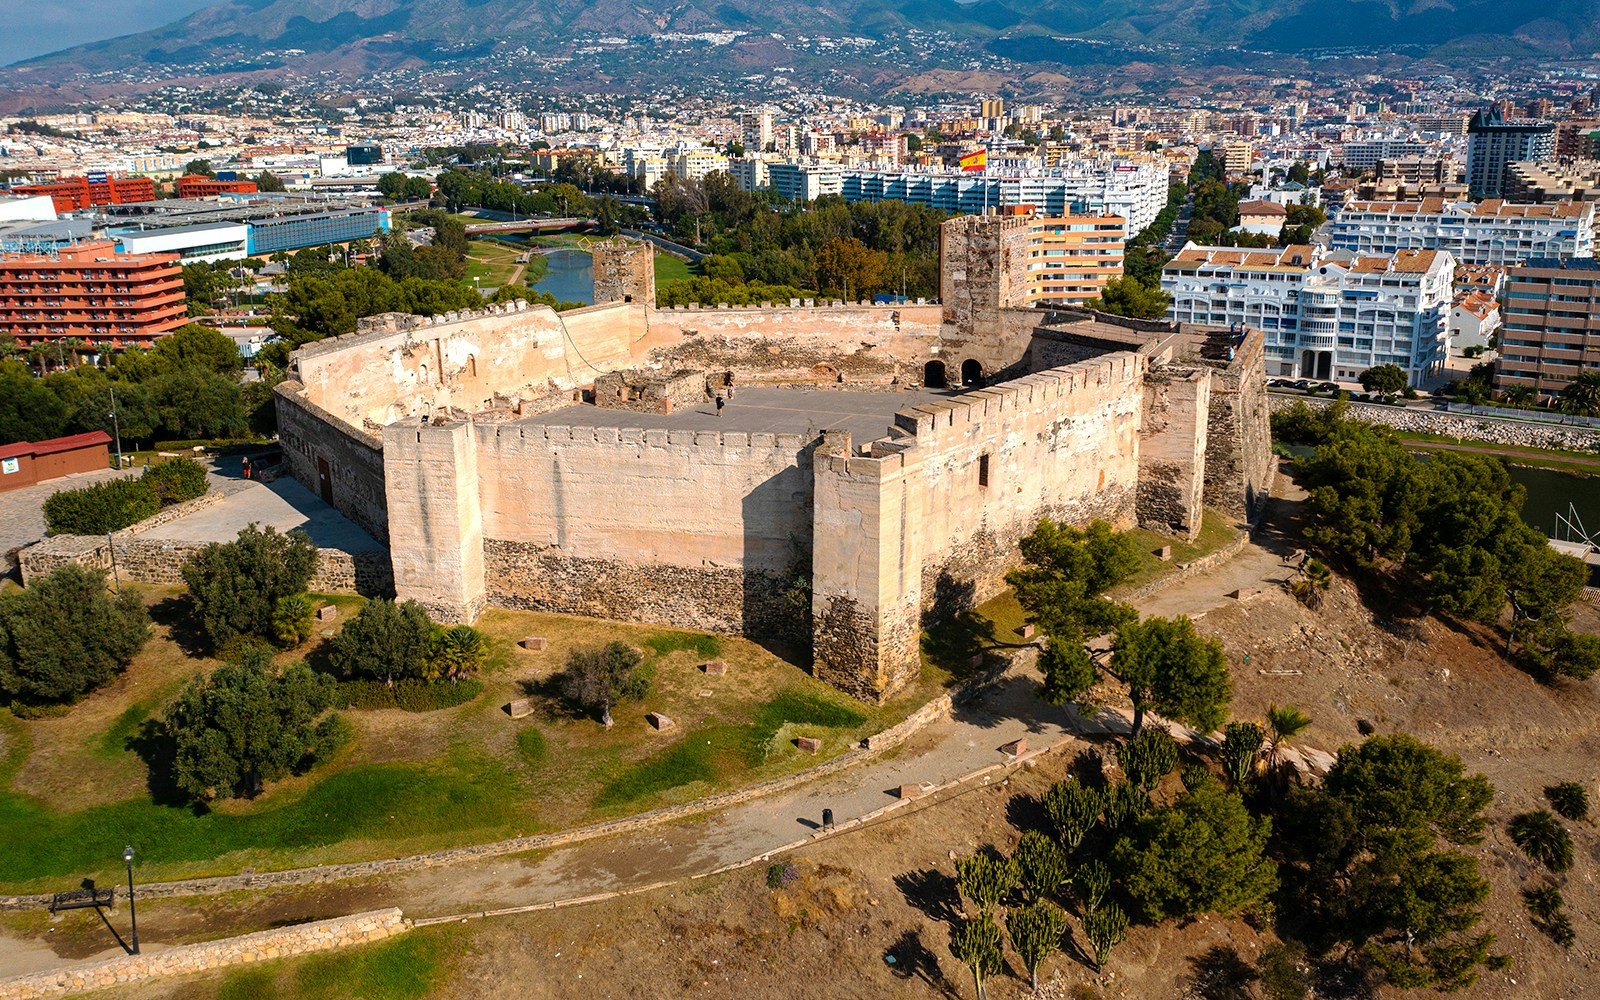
[913, 960]
[1026, 812]
[177, 615]
[955, 637]
[155, 746]
[1220, 973]
[932, 892]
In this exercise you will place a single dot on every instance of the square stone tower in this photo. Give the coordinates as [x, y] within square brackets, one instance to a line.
[624, 271]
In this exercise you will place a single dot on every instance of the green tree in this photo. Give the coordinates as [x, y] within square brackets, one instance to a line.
[193, 403]
[199, 168]
[1073, 808]
[1128, 296]
[1241, 746]
[292, 619]
[236, 586]
[595, 679]
[1384, 378]
[1168, 667]
[1205, 853]
[1060, 586]
[1148, 757]
[28, 410]
[385, 641]
[1283, 725]
[849, 268]
[246, 724]
[456, 652]
[1311, 586]
[269, 182]
[1581, 396]
[65, 635]
[1036, 931]
[1363, 868]
[976, 944]
[418, 189]
[1105, 928]
[986, 880]
[392, 185]
[1041, 865]
[197, 346]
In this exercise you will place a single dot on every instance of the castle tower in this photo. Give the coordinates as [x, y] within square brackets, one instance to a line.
[624, 271]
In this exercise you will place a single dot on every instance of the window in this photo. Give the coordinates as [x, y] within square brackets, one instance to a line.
[983, 470]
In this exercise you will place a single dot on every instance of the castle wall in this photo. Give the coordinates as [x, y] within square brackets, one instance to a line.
[1172, 450]
[1239, 459]
[435, 518]
[929, 522]
[696, 529]
[340, 463]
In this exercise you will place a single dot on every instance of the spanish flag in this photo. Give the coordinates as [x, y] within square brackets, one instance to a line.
[978, 160]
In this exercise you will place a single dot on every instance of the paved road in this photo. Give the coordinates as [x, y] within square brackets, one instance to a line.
[283, 504]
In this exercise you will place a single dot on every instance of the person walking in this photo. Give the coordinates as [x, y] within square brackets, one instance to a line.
[720, 404]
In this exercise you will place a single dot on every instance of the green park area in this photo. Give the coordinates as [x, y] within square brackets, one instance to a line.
[78, 784]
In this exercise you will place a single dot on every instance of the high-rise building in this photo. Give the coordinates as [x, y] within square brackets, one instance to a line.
[1552, 324]
[1494, 142]
[1326, 314]
[88, 292]
[756, 132]
[1070, 259]
[1486, 232]
[991, 108]
[804, 181]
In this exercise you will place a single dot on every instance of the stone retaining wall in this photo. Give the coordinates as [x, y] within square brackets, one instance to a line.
[282, 942]
[145, 560]
[1469, 428]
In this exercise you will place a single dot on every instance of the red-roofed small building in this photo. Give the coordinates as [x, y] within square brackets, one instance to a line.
[29, 462]
[1474, 317]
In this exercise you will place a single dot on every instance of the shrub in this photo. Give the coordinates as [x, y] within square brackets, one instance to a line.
[100, 508]
[1241, 746]
[236, 585]
[66, 635]
[1073, 808]
[1543, 839]
[781, 875]
[1148, 757]
[596, 679]
[1570, 799]
[176, 480]
[292, 619]
[1548, 912]
[409, 694]
[385, 641]
[456, 651]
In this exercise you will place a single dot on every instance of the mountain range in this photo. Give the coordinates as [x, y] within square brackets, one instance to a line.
[371, 34]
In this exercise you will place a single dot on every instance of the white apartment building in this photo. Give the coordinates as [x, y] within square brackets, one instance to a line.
[1135, 190]
[756, 130]
[749, 173]
[1326, 314]
[1487, 232]
[805, 181]
[695, 163]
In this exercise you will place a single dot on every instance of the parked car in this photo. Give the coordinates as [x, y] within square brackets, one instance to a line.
[1328, 387]
[1302, 384]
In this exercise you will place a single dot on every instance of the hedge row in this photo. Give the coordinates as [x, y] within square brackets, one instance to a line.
[119, 503]
[410, 695]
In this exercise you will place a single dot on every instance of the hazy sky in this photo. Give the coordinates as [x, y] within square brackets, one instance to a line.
[34, 27]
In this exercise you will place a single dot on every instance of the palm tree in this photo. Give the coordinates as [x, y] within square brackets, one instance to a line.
[1283, 725]
[1520, 395]
[1314, 582]
[1581, 397]
[456, 652]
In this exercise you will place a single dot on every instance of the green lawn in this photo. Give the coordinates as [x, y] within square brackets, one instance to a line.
[491, 262]
[670, 269]
[75, 789]
[1216, 530]
[409, 967]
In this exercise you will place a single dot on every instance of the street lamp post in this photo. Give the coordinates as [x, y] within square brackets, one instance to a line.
[116, 427]
[133, 916]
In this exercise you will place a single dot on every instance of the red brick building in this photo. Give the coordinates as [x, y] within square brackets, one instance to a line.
[91, 293]
[72, 194]
[201, 186]
[30, 462]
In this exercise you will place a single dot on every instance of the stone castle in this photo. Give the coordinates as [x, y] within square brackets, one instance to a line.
[470, 444]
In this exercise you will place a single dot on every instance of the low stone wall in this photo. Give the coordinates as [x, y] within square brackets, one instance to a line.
[1469, 428]
[282, 942]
